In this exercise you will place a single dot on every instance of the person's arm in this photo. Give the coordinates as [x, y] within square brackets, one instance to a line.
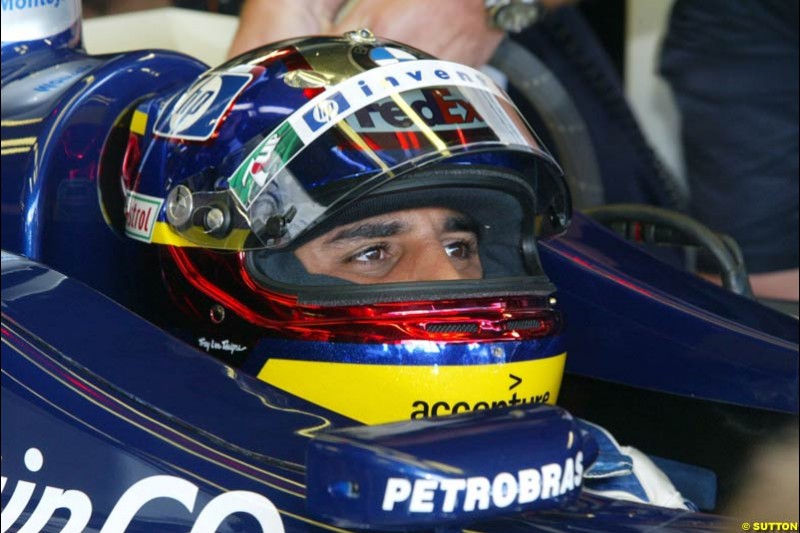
[268, 21]
[455, 30]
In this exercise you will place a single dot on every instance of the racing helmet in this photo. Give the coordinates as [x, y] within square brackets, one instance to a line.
[273, 149]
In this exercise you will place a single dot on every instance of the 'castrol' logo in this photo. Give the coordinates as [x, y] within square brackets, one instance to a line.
[141, 213]
[125, 510]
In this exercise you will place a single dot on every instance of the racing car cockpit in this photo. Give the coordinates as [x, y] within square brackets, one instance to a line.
[357, 229]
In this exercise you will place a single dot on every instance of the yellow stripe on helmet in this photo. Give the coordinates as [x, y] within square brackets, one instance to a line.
[139, 122]
[375, 394]
[164, 234]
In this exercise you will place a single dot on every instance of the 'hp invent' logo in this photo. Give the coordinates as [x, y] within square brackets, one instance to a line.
[326, 111]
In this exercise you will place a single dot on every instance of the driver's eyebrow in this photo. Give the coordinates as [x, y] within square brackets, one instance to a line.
[461, 223]
[370, 230]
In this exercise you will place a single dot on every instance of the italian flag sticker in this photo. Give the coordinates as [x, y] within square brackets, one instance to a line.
[264, 163]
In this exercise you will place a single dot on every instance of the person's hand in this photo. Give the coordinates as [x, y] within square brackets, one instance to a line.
[455, 30]
[268, 21]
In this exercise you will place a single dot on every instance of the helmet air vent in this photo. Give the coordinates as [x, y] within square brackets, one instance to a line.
[452, 327]
[528, 323]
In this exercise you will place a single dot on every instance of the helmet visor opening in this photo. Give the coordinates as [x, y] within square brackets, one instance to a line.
[478, 238]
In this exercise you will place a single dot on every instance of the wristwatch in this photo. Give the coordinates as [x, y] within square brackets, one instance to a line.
[511, 15]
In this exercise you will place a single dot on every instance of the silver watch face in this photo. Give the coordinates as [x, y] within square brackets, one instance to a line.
[516, 16]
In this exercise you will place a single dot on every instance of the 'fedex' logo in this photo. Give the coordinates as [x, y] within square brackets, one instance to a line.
[438, 108]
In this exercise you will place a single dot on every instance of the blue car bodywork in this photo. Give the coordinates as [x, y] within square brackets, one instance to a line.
[129, 428]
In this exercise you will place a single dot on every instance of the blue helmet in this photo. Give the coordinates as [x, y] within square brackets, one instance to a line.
[281, 145]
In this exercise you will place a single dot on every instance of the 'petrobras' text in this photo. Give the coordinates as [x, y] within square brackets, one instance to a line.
[479, 493]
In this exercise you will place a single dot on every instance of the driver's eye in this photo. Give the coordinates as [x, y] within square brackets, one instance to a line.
[373, 253]
[459, 249]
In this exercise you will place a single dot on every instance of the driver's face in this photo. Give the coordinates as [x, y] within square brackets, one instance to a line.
[425, 244]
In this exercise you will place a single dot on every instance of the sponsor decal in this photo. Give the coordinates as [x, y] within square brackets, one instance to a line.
[369, 56]
[337, 103]
[57, 82]
[260, 166]
[30, 20]
[141, 212]
[441, 109]
[19, 5]
[375, 394]
[198, 111]
[223, 345]
[425, 409]
[481, 493]
[385, 55]
[28, 94]
[133, 499]
[264, 163]
[325, 111]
